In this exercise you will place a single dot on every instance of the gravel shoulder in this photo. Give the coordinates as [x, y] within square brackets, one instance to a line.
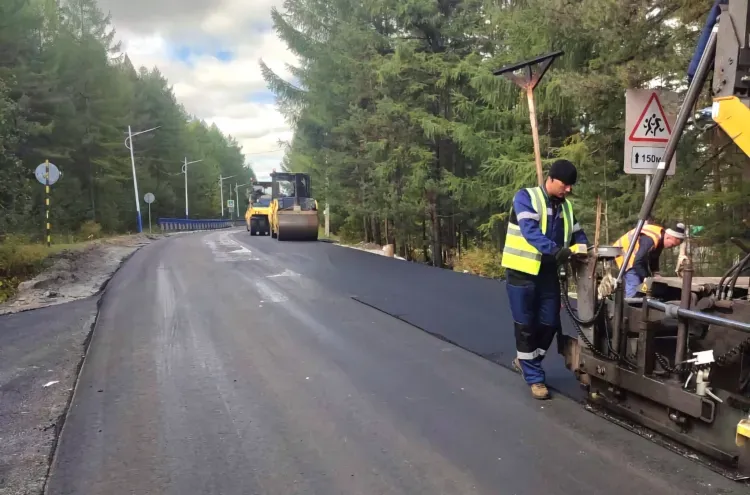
[75, 274]
[44, 333]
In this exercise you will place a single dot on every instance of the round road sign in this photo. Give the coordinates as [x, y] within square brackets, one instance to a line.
[149, 198]
[41, 174]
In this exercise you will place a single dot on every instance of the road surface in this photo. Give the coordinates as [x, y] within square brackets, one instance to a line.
[228, 364]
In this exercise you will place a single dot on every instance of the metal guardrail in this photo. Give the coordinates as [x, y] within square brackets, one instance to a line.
[183, 224]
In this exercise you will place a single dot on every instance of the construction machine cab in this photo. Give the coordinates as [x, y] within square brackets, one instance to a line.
[292, 189]
[258, 209]
[260, 195]
[294, 212]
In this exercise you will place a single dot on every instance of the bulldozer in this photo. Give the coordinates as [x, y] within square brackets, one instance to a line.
[676, 358]
[257, 216]
[294, 212]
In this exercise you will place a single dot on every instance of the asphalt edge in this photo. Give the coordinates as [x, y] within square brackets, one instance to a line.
[62, 418]
[98, 291]
[488, 357]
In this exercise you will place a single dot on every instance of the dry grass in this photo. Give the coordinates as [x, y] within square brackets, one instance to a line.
[21, 260]
[480, 261]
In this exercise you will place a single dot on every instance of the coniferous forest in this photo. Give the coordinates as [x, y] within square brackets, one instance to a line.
[68, 95]
[412, 139]
[408, 135]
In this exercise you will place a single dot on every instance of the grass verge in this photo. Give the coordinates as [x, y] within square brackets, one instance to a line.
[322, 235]
[480, 261]
[21, 260]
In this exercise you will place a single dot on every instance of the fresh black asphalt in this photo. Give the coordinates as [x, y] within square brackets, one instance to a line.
[224, 363]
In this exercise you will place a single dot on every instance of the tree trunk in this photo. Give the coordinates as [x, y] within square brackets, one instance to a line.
[437, 253]
[376, 237]
[425, 250]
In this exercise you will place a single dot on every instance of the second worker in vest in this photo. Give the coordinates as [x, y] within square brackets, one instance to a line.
[541, 230]
[645, 259]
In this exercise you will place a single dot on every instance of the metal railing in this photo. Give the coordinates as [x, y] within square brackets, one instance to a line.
[184, 224]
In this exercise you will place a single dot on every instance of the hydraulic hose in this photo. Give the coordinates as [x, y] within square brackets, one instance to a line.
[736, 276]
[737, 267]
[573, 315]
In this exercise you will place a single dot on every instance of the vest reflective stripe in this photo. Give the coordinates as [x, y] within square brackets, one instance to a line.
[652, 231]
[567, 210]
[518, 254]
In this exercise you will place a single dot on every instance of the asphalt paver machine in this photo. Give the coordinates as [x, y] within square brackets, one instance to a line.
[677, 360]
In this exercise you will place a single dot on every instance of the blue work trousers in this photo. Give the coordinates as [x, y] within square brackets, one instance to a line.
[632, 283]
[535, 306]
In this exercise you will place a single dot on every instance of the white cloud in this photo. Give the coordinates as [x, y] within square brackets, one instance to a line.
[211, 89]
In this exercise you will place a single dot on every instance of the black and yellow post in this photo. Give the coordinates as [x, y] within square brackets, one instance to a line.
[46, 202]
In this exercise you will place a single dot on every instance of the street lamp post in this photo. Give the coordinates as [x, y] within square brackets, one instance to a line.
[129, 145]
[184, 171]
[221, 191]
[237, 197]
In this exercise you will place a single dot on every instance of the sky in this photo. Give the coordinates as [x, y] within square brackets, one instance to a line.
[209, 50]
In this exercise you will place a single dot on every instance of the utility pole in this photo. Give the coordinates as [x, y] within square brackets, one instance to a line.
[129, 145]
[328, 207]
[237, 196]
[184, 171]
[221, 191]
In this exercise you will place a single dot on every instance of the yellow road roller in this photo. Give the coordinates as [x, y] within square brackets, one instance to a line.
[294, 212]
[257, 216]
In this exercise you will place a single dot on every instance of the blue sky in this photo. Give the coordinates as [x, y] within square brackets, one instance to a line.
[187, 53]
[263, 97]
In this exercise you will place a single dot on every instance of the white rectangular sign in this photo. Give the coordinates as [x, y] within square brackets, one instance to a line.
[645, 158]
[649, 118]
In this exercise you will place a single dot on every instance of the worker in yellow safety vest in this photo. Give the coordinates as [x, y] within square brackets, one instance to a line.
[541, 231]
[648, 248]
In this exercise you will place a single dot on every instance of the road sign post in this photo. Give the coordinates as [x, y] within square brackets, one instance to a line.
[149, 198]
[47, 174]
[649, 119]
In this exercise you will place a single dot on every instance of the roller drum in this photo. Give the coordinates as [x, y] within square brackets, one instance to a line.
[298, 226]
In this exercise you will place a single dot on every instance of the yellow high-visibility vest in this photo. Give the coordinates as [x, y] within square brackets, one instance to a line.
[518, 254]
[652, 231]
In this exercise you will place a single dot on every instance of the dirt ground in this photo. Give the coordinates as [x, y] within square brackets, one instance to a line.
[41, 352]
[75, 274]
[370, 248]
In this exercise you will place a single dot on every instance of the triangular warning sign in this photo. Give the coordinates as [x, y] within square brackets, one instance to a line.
[652, 126]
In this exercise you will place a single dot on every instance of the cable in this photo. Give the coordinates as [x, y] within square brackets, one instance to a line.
[734, 267]
[724, 360]
[736, 275]
[577, 322]
[564, 286]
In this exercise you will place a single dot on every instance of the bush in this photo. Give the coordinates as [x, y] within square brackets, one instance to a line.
[90, 230]
[480, 261]
[19, 261]
[351, 231]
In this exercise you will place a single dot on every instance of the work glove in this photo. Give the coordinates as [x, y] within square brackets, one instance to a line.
[681, 264]
[606, 286]
[562, 255]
